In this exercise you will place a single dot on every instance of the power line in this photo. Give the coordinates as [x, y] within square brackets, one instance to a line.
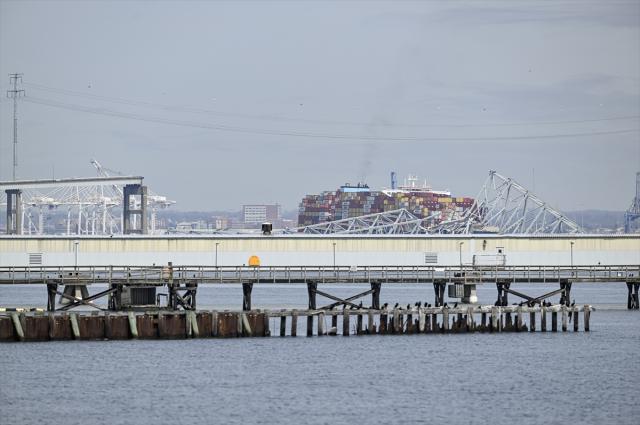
[295, 133]
[306, 120]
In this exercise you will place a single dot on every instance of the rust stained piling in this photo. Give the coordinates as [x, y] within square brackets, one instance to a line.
[587, 314]
[294, 323]
[345, 322]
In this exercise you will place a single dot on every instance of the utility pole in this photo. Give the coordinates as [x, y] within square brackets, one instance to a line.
[15, 93]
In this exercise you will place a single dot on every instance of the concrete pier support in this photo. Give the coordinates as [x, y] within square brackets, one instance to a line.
[565, 295]
[633, 303]
[375, 296]
[14, 211]
[438, 288]
[503, 296]
[138, 211]
[247, 287]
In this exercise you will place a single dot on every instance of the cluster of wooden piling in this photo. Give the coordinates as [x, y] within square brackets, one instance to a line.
[49, 326]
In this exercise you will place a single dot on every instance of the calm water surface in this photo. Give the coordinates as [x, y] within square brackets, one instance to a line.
[591, 378]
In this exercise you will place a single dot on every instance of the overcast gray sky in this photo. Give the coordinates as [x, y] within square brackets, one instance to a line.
[218, 104]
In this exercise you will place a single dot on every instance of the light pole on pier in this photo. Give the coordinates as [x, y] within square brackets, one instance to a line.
[461, 243]
[334, 255]
[216, 261]
[75, 249]
[572, 242]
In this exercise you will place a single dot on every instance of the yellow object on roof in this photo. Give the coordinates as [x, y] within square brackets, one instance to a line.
[254, 261]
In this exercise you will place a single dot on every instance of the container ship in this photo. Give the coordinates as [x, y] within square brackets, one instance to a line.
[357, 200]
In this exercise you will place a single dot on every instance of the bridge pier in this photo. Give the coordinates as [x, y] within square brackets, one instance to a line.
[633, 303]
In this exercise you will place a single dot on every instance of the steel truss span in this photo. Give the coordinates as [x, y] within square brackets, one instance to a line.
[502, 207]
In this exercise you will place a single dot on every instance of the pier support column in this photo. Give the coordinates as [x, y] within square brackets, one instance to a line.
[565, 295]
[52, 289]
[115, 298]
[139, 210]
[14, 211]
[503, 296]
[375, 296]
[632, 297]
[311, 289]
[438, 288]
[247, 287]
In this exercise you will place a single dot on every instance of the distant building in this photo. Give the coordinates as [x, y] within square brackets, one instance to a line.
[257, 214]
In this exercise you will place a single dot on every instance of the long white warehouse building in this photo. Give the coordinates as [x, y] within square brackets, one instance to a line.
[298, 250]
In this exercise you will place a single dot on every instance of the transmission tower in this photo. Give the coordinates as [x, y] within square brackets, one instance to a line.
[633, 213]
[15, 93]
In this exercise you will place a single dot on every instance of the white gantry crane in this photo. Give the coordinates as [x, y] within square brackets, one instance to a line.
[93, 205]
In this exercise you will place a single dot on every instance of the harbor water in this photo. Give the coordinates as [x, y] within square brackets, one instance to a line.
[524, 378]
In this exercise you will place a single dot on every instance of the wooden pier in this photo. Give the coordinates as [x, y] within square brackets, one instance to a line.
[61, 326]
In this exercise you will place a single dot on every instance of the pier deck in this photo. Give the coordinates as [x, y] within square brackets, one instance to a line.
[161, 275]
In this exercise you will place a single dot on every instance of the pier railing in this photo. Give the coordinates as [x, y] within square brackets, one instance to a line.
[160, 275]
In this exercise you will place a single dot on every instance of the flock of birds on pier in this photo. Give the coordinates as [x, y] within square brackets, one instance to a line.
[419, 304]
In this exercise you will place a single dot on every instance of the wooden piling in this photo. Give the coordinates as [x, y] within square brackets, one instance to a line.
[494, 319]
[283, 325]
[519, 319]
[309, 325]
[238, 317]
[397, 321]
[359, 329]
[17, 326]
[345, 322]
[294, 323]
[214, 323]
[445, 319]
[470, 322]
[564, 318]
[421, 320]
[371, 327]
[576, 319]
[434, 322]
[483, 321]
[587, 313]
[320, 324]
[532, 321]
[543, 319]
[554, 320]
[384, 319]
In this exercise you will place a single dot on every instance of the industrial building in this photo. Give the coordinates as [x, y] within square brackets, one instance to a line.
[338, 250]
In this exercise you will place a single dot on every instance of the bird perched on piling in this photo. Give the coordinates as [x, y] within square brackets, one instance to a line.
[455, 305]
[408, 306]
[360, 305]
[419, 304]
[385, 305]
[396, 306]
